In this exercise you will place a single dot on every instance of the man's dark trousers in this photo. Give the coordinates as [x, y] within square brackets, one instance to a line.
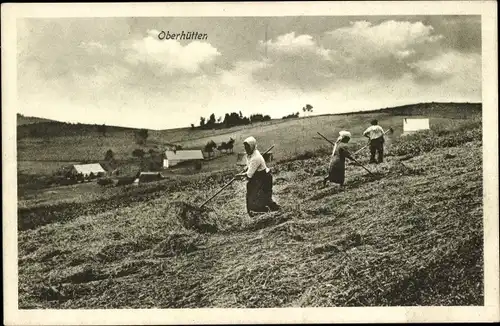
[377, 147]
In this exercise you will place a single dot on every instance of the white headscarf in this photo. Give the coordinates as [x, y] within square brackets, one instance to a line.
[343, 134]
[251, 142]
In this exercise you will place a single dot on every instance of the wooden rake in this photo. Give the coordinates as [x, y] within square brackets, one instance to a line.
[229, 183]
[335, 147]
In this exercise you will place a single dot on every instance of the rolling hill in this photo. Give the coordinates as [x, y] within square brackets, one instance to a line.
[412, 235]
[56, 141]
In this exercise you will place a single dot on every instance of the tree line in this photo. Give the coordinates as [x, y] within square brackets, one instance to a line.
[237, 119]
[230, 120]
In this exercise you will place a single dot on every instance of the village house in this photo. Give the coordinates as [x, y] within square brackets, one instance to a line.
[86, 169]
[172, 158]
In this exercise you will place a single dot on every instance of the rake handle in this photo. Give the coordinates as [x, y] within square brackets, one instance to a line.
[352, 158]
[230, 182]
[328, 140]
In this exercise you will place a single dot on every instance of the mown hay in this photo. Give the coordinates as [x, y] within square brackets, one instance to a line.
[119, 251]
[191, 217]
[287, 230]
[84, 274]
[52, 254]
[398, 168]
[266, 220]
[449, 156]
[402, 241]
[177, 244]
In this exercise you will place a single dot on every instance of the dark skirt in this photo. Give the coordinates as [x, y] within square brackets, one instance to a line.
[336, 172]
[260, 192]
[336, 169]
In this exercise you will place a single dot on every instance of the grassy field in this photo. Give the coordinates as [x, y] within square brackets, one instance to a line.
[43, 156]
[292, 135]
[412, 235]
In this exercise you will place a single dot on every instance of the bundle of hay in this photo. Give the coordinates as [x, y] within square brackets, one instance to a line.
[202, 220]
[177, 243]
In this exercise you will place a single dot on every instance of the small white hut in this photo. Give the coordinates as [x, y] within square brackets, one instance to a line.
[86, 169]
[414, 125]
[173, 158]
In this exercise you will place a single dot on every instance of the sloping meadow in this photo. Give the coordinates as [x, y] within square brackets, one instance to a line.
[412, 235]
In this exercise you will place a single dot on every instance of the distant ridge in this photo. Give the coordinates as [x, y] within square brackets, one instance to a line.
[446, 109]
[25, 120]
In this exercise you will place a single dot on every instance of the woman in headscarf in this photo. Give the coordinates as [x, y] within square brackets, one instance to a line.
[260, 180]
[336, 170]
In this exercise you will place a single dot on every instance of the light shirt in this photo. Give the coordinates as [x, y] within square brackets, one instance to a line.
[374, 132]
[255, 162]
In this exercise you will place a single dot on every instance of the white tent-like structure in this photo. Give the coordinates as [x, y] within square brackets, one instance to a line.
[414, 125]
[173, 158]
[86, 169]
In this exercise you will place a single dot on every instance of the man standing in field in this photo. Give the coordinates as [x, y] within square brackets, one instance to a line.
[260, 181]
[375, 134]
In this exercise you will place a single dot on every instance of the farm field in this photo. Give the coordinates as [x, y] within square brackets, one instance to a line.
[412, 235]
[291, 137]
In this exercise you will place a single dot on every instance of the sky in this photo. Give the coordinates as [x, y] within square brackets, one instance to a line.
[116, 71]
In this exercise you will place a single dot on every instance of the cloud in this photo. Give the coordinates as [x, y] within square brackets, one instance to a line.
[97, 48]
[359, 51]
[363, 39]
[289, 44]
[452, 64]
[126, 78]
[169, 56]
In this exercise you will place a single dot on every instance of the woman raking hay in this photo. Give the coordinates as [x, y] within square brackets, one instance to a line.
[336, 170]
[260, 181]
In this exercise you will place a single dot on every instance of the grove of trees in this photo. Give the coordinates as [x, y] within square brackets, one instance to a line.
[237, 119]
[230, 120]
[291, 116]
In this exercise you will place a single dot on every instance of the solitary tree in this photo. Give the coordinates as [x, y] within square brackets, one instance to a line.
[307, 108]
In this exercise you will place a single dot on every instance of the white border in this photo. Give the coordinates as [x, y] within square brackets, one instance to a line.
[491, 310]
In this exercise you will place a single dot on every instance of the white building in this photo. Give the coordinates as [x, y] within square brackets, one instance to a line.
[413, 125]
[173, 158]
[86, 169]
